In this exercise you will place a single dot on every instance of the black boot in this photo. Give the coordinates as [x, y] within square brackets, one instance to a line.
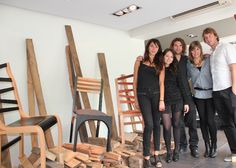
[207, 152]
[147, 163]
[157, 163]
[213, 150]
[175, 156]
[168, 157]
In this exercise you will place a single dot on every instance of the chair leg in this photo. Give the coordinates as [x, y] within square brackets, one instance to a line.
[59, 127]
[98, 127]
[72, 127]
[122, 134]
[109, 126]
[42, 144]
[21, 146]
[77, 126]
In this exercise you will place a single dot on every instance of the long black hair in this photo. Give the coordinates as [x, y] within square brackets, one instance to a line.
[157, 59]
[174, 64]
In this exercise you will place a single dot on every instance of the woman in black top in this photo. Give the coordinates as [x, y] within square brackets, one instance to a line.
[175, 101]
[149, 91]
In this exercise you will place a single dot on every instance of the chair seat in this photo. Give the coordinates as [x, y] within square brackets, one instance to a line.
[89, 112]
[44, 122]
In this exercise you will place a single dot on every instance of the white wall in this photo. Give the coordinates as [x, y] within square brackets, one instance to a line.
[49, 37]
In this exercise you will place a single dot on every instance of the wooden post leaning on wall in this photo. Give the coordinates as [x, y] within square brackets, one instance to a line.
[78, 71]
[107, 92]
[33, 68]
[31, 102]
[6, 157]
[82, 131]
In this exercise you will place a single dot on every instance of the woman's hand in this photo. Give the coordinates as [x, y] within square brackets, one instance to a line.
[136, 105]
[161, 105]
[186, 108]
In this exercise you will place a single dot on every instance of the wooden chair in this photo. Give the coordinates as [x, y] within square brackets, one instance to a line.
[95, 86]
[125, 105]
[25, 124]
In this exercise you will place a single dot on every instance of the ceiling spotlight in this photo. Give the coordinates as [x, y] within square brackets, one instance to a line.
[133, 7]
[191, 35]
[126, 10]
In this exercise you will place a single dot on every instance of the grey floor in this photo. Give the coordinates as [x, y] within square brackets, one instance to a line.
[187, 161]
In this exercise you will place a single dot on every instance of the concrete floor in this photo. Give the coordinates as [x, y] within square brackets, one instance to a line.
[187, 161]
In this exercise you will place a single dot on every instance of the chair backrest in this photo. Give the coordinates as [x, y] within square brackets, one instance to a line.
[88, 85]
[8, 87]
[125, 93]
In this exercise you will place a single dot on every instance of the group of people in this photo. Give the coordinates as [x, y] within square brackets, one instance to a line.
[162, 92]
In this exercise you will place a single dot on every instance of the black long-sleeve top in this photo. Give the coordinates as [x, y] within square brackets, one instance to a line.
[182, 67]
[175, 90]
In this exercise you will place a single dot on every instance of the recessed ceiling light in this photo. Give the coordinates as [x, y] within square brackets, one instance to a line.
[191, 35]
[126, 10]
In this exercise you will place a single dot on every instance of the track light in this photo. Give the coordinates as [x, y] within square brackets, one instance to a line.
[126, 10]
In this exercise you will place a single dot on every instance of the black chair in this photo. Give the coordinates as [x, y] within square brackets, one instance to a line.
[95, 86]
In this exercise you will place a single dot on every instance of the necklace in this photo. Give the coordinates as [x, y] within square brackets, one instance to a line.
[197, 62]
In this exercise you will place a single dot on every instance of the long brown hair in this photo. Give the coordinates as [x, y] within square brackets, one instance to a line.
[191, 48]
[181, 41]
[157, 59]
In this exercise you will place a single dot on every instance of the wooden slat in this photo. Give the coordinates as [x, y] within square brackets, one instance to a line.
[8, 109]
[31, 59]
[124, 77]
[5, 79]
[107, 92]
[126, 90]
[6, 157]
[31, 103]
[8, 101]
[79, 73]
[6, 90]
[71, 70]
[86, 79]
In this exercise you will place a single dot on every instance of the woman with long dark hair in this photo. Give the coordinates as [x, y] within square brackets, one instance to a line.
[149, 96]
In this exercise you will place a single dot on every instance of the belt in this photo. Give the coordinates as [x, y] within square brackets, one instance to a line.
[197, 88]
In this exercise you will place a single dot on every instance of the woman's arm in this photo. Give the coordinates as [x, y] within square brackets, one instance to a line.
[162, 89]
[136, 67]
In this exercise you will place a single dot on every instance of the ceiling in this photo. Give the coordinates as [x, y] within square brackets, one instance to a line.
[100, 11]
[152, 20]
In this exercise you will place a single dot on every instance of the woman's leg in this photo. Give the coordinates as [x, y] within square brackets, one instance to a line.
[212, 126]
[145, 107]
[202, 111]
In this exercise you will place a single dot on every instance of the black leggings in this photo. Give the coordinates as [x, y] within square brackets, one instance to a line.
[206, 111]
[149, 104]
[175, 109]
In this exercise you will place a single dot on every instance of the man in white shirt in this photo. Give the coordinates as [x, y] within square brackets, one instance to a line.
[223, 69]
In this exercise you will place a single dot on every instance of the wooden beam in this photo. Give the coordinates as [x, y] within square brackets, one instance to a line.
[31, 102]
[79, 73]
[5, 155]
[107, 92]
[37, 87]
[82, 131]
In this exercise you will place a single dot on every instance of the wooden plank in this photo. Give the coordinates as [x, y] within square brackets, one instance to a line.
[6, 157]
[25, 162]
[82, 131]
[31, 59]
[107, 93]
[31, 103]
[79, 73]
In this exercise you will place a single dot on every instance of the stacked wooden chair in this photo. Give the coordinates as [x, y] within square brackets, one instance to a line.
[25, 124]
[94, 86]
[128, 115]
